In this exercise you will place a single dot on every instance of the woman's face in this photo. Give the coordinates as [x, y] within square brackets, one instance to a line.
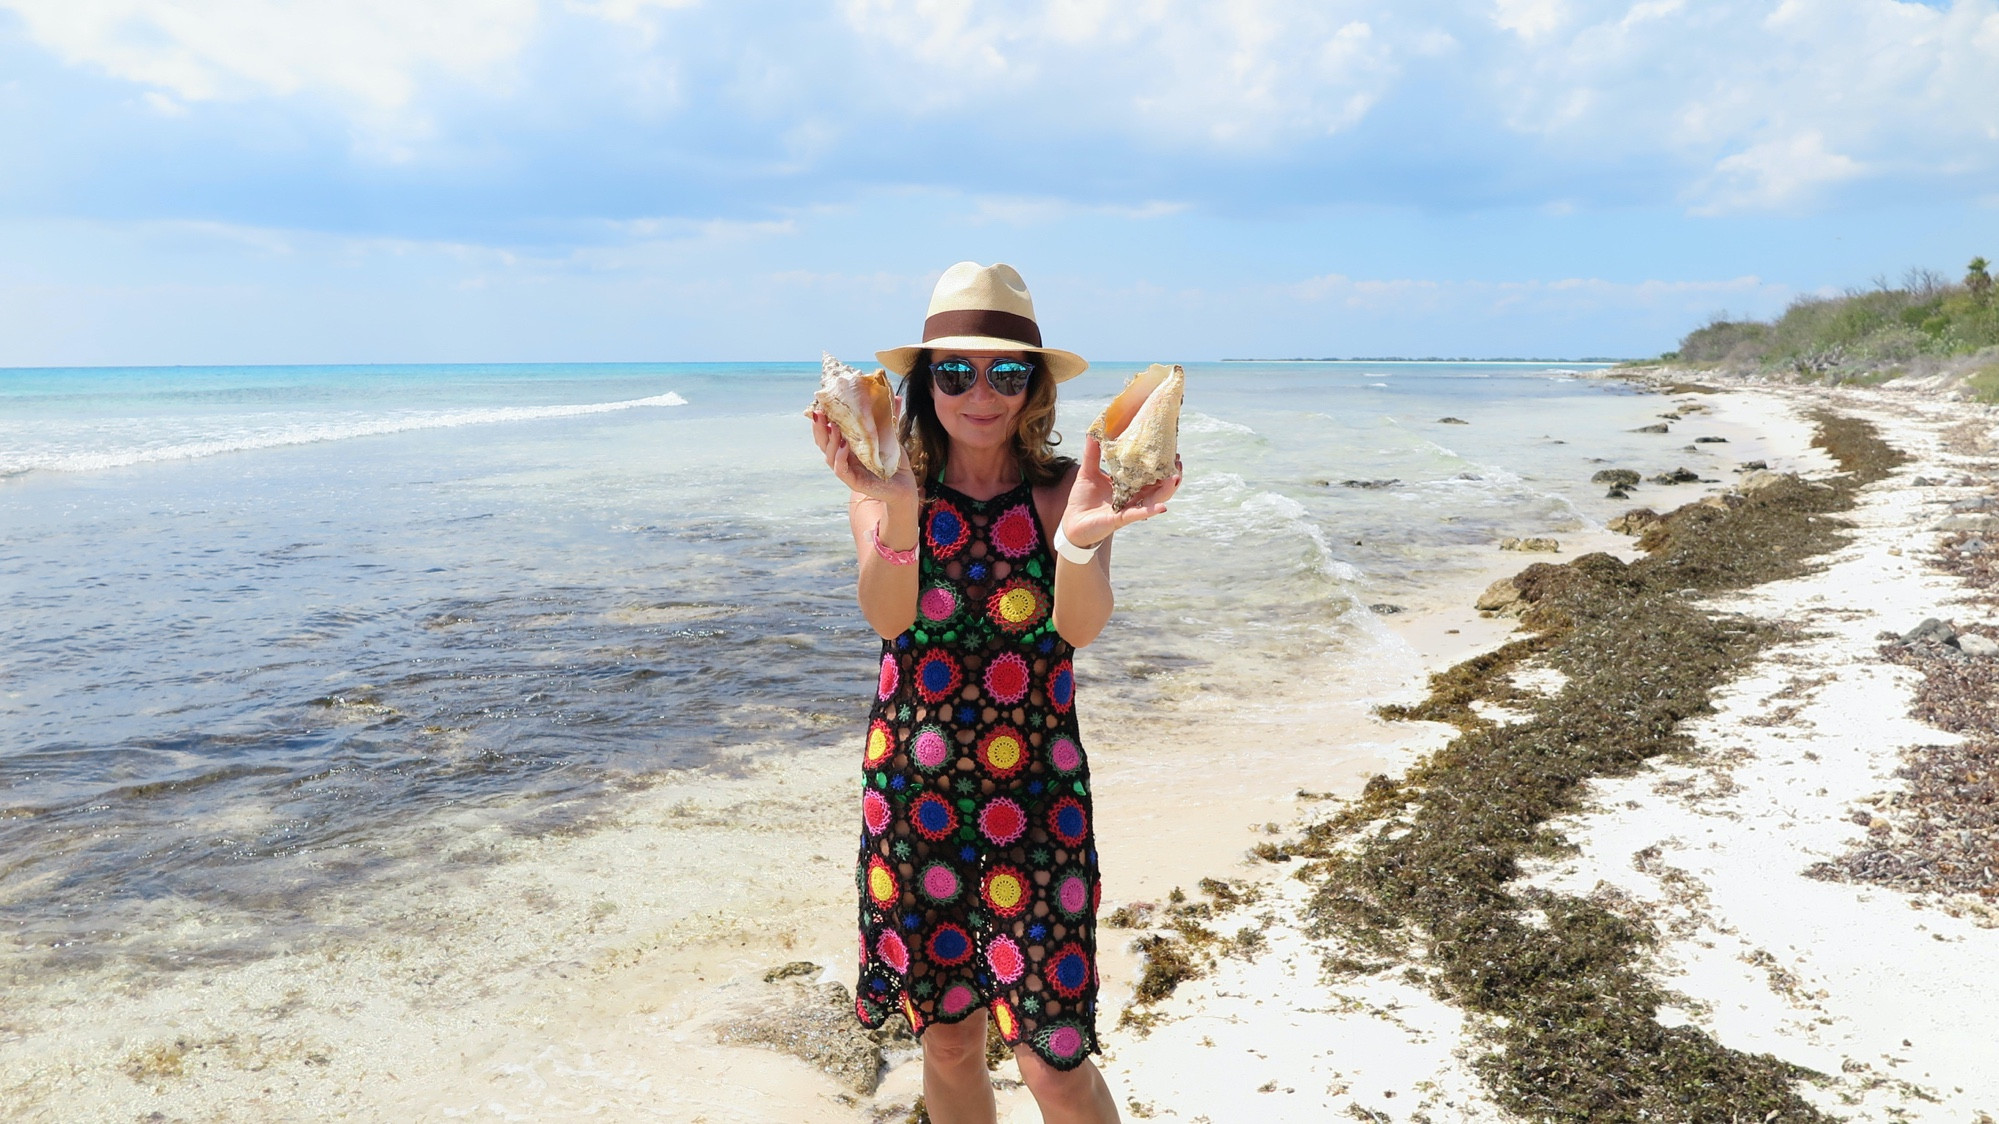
[980, 418]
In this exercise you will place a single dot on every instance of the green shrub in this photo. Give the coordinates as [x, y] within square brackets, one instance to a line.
[1984, 385]
[1740, 342]
[1839, 338]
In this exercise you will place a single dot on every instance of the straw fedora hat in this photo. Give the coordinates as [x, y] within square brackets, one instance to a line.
[982, 308]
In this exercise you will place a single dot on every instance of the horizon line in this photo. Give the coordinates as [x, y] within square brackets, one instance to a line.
[11, 368]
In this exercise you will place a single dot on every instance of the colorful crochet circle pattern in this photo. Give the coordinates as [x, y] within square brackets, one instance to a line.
[940, 882]
[945, 530]
[1062, 687]
[1018, 606]
[932, 817]
[1002, 751]
[1004, 958]
[881, 744]
[958, 1000]
[1068, 821]
[1065, 754]
[1005, 891]
[1002, 822]
[977, 867]
[1007, 1022]
[874, 812]
[932, 752]
[1014, 533]
[937, 677]
[1007, 678]
[949, 945]
[937, 604]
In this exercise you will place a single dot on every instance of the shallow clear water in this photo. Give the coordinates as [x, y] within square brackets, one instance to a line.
[266, 628]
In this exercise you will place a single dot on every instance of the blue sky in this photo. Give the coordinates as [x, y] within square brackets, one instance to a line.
[246, 181]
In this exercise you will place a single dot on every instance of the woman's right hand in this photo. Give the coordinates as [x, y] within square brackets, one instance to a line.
[840, 458]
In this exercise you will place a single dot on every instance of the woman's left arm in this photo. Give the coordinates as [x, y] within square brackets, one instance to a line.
[1083, 599]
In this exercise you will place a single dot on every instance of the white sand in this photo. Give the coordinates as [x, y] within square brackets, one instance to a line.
[1890, 995]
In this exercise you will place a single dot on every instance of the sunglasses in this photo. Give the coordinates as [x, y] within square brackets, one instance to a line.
[1007, 377]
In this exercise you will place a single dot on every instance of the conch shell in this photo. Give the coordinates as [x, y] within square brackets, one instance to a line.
[863, 407]
[1140, 431]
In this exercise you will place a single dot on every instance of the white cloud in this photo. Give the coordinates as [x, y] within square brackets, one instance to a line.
[1773, 174]
[1529, 19]
[1593, 294]
[1017, 210]
[1248, 73]
[635, 12]
[371, 55]
[1732, 105]
[1769, 103]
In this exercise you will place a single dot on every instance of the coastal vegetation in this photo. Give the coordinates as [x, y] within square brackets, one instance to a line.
[1425, 871]
[1928, 326]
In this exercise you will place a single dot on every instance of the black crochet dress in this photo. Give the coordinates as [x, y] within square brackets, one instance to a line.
[978, 864]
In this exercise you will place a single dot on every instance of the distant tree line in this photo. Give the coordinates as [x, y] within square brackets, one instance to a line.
[1926, 324]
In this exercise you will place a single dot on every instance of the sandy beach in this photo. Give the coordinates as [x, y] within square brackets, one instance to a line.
[635, 983]
[1887, 996]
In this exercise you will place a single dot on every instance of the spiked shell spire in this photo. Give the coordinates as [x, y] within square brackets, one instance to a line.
[1140, 431]
[863, 407]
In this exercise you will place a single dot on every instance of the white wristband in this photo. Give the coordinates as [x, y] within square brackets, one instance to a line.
[1071, 551]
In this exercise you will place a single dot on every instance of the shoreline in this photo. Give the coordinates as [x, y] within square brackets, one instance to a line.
[1889, 996]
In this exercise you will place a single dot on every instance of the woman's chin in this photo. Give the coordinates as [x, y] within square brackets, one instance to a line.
[979, 434]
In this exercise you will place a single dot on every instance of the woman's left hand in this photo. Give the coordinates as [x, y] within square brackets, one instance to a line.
[1090, 519]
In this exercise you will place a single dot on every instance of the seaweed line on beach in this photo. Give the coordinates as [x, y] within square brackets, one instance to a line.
[1940, 833]
[1419, 870]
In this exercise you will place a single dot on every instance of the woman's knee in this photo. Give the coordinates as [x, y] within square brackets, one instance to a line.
[956, 1044]
[1072, 1089]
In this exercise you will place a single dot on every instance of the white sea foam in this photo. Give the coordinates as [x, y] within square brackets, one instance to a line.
[1289, 513]
[1191, 422]
[71, 459]
[1225, 507]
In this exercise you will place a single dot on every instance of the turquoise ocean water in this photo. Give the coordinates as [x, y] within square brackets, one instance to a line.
[264, 628]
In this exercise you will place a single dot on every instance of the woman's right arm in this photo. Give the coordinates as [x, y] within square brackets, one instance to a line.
[887, 509]
[887, 591]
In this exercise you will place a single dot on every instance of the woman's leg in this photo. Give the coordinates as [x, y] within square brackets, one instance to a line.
[1072, 1096]
[956, 1089]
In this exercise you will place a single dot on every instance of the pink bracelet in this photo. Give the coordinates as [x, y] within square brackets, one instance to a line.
[895, 557]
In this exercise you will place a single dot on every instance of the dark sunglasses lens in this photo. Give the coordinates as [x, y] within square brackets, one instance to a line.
[1009, 376]
[953, 376]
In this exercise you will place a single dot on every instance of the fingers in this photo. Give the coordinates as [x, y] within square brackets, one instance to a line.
[1138, 513]
[840, 458]
[1093, 456]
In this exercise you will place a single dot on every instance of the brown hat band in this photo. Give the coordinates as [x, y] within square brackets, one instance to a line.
[982, 322]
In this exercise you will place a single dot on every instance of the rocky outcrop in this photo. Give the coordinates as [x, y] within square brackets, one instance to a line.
[1634, 522]
[1759, 479]
[1501, 596]
[815, 1022]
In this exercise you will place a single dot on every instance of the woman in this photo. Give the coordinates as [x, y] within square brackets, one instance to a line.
[984, 561]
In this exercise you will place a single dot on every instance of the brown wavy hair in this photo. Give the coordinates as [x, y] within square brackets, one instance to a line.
[1034, 436]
